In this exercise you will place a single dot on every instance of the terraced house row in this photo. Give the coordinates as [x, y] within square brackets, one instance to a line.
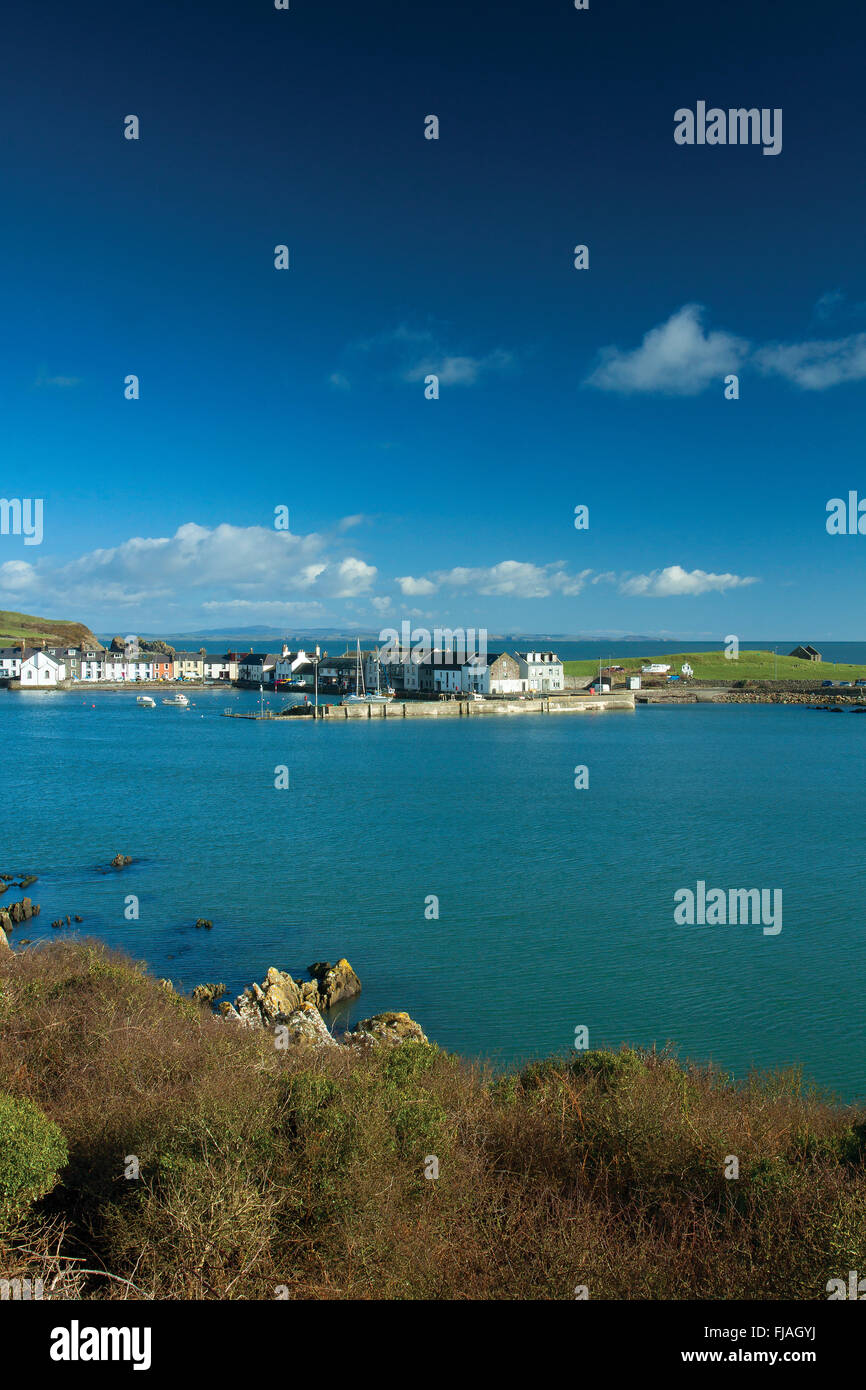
[51, 666]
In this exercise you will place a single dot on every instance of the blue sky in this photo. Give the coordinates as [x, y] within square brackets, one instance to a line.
[305, 388]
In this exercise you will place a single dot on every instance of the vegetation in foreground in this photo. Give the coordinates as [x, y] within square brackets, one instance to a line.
[268, 1174]
[715, 666]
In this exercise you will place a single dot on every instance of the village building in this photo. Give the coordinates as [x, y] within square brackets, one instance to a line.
[256, 666]
[806, 653]
[221, 668]
[10, 663]
[189, 666]
[541, 671]
[40, 669]
[499, 674]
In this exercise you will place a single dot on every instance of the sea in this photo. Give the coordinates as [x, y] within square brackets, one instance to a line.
[462, 871]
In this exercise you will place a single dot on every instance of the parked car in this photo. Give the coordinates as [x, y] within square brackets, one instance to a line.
[860, 682]
[826, 682]
[846, 685]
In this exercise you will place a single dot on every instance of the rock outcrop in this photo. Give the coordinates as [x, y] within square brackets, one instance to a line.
[206, 994]
[17, 912]
[304, 1027]
[386, 1030]
[334, 982]
[292, 1007]
[261, 1006]
[4, 941]
[120, 861]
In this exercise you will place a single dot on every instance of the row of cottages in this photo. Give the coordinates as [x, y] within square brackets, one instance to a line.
[444, 673]
[47, 666]
[278, 667]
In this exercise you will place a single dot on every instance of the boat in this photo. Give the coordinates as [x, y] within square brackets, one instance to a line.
[178, 699]
[147, 701]
[362, 697]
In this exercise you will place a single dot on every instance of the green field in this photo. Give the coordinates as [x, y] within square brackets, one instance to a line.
[715, 666]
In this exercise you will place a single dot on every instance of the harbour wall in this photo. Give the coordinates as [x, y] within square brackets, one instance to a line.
[478, 709]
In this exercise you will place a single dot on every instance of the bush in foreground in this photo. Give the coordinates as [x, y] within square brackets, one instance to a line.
[261, 1172]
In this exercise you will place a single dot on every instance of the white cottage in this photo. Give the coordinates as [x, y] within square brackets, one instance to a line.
[40, 669]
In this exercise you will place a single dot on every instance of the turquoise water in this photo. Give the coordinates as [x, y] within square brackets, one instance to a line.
[556, 905]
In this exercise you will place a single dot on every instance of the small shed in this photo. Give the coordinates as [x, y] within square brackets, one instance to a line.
[632, 682]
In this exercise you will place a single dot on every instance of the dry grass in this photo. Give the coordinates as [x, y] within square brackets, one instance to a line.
[261, 1170]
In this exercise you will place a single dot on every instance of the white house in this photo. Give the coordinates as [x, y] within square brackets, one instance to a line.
[655, 669]
[257, 666]
[220, 668]
[10, 663]
[288, 663]
[40, 669]
[542, 671]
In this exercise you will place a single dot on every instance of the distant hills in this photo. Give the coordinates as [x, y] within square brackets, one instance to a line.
[23, 629]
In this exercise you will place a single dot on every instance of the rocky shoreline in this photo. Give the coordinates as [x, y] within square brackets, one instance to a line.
[292, 1010]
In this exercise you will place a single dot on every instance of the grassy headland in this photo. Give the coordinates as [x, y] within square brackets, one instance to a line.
[304, 1171]
[715, 666]
[25, 630]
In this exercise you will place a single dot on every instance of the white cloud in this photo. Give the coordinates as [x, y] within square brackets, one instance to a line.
[415, 588]
[17, 576]
[675, 581]
[224, 564]
[459, 371]
[677, 358]
[816, 365]
[680, 358]
[516, 578]
[354, 577]
[410, 354]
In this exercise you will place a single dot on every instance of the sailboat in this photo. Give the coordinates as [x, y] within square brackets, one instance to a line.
[361, 697]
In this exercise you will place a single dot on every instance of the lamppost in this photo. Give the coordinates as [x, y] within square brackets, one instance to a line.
[315, 661]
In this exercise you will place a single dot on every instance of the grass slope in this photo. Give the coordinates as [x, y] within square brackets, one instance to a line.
[263, 1170]
[716, 666]
[22, 629]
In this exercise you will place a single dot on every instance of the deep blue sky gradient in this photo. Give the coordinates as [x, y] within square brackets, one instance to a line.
[306, 127]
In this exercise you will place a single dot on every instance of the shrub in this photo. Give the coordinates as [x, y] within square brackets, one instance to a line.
[32, 1152]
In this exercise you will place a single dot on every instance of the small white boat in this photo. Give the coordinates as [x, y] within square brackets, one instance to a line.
[178, 699]
[146, 701]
